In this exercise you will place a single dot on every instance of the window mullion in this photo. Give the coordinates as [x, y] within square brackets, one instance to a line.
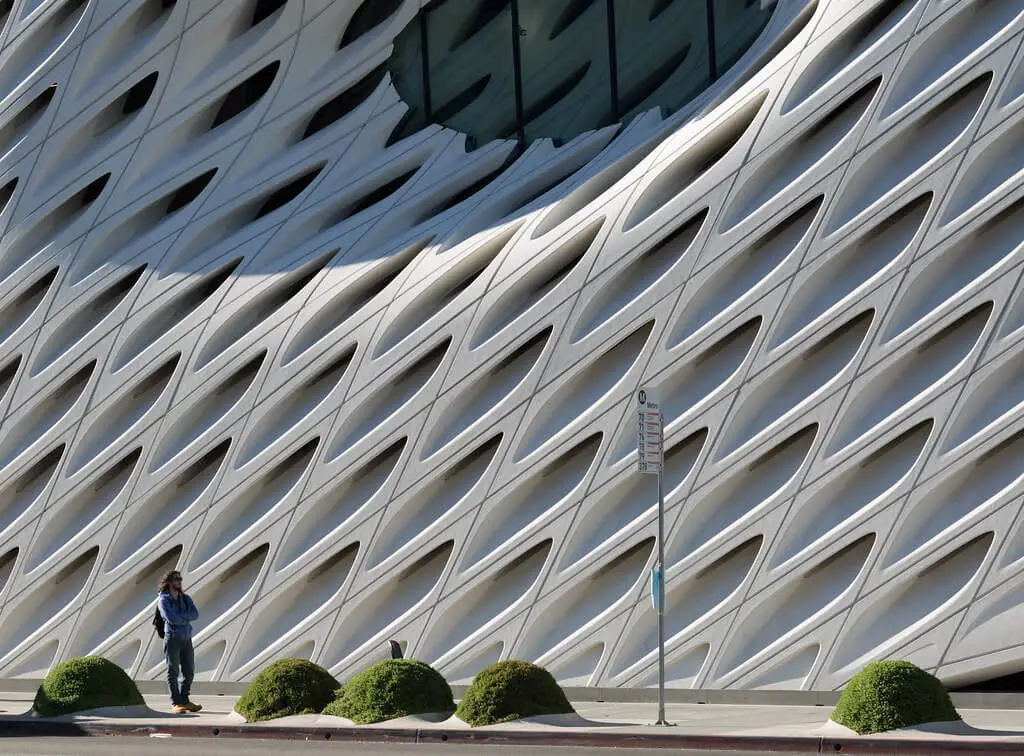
[517, 71]
[712, 53]
[425, 57]
[613, 64]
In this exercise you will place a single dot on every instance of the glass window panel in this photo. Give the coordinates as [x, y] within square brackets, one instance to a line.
[666, 55]
[406, 66]
[472, 85]
[738, 23]
[662, 53]
[565, 63]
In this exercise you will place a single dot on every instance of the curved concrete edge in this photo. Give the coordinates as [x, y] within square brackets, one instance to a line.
[568, 737]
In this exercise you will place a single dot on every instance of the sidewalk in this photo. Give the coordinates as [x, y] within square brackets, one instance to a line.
[774, 728]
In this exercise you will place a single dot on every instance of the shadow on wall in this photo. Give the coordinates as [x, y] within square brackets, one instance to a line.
[242, 180]
[148, 216]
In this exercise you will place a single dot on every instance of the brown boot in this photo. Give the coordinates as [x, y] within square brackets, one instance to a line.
[179, 709]
[193, 707]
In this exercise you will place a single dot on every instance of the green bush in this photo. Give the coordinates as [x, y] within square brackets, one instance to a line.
[511, 690]
[390, 689]
[887, 695]
[86, 682]
[286, 687]
[334, 707]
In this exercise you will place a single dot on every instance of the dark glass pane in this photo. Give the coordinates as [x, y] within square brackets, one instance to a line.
[566, 74]
[738, 23]
[472, 85]
[136, 98]
[662, 52]
[666, 54]
[265, 9]
[344, 103]
[406, 66]
[246, 94]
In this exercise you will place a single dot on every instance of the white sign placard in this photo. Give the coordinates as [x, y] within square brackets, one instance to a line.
[649, 437]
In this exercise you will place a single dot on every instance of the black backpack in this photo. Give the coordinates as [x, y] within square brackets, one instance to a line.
[158, 623]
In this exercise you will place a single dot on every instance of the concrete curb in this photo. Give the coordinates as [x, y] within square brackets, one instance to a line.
[26, 727]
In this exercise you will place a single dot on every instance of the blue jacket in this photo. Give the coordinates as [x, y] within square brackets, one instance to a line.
[178, 615]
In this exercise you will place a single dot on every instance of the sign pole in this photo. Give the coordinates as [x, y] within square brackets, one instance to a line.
[661, 601]
[651, 460]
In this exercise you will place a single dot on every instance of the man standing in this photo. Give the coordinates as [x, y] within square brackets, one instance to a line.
[178, 611]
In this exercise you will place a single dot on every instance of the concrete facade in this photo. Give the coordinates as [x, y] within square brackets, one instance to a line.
[353, 401]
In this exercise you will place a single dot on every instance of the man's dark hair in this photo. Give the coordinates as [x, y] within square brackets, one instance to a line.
[165, 581]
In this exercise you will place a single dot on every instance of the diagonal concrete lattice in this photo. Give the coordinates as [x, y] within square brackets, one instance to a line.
[354, 402]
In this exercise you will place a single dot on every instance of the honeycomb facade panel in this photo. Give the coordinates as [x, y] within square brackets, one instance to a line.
[363, 378]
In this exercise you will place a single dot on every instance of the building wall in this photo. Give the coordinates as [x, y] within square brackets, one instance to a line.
[353, 404]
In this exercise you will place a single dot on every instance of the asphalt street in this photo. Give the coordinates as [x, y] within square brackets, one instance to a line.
[202, 747]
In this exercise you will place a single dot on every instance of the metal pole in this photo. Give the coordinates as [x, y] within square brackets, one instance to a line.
[661, 602]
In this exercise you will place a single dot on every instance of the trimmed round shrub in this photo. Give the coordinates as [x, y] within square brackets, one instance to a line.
[509, 690]
[286, 687]
[86, 682]
[888, 695]
[390, 689]
[334, 707]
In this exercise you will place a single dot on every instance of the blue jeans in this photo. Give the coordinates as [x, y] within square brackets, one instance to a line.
[181, 658]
